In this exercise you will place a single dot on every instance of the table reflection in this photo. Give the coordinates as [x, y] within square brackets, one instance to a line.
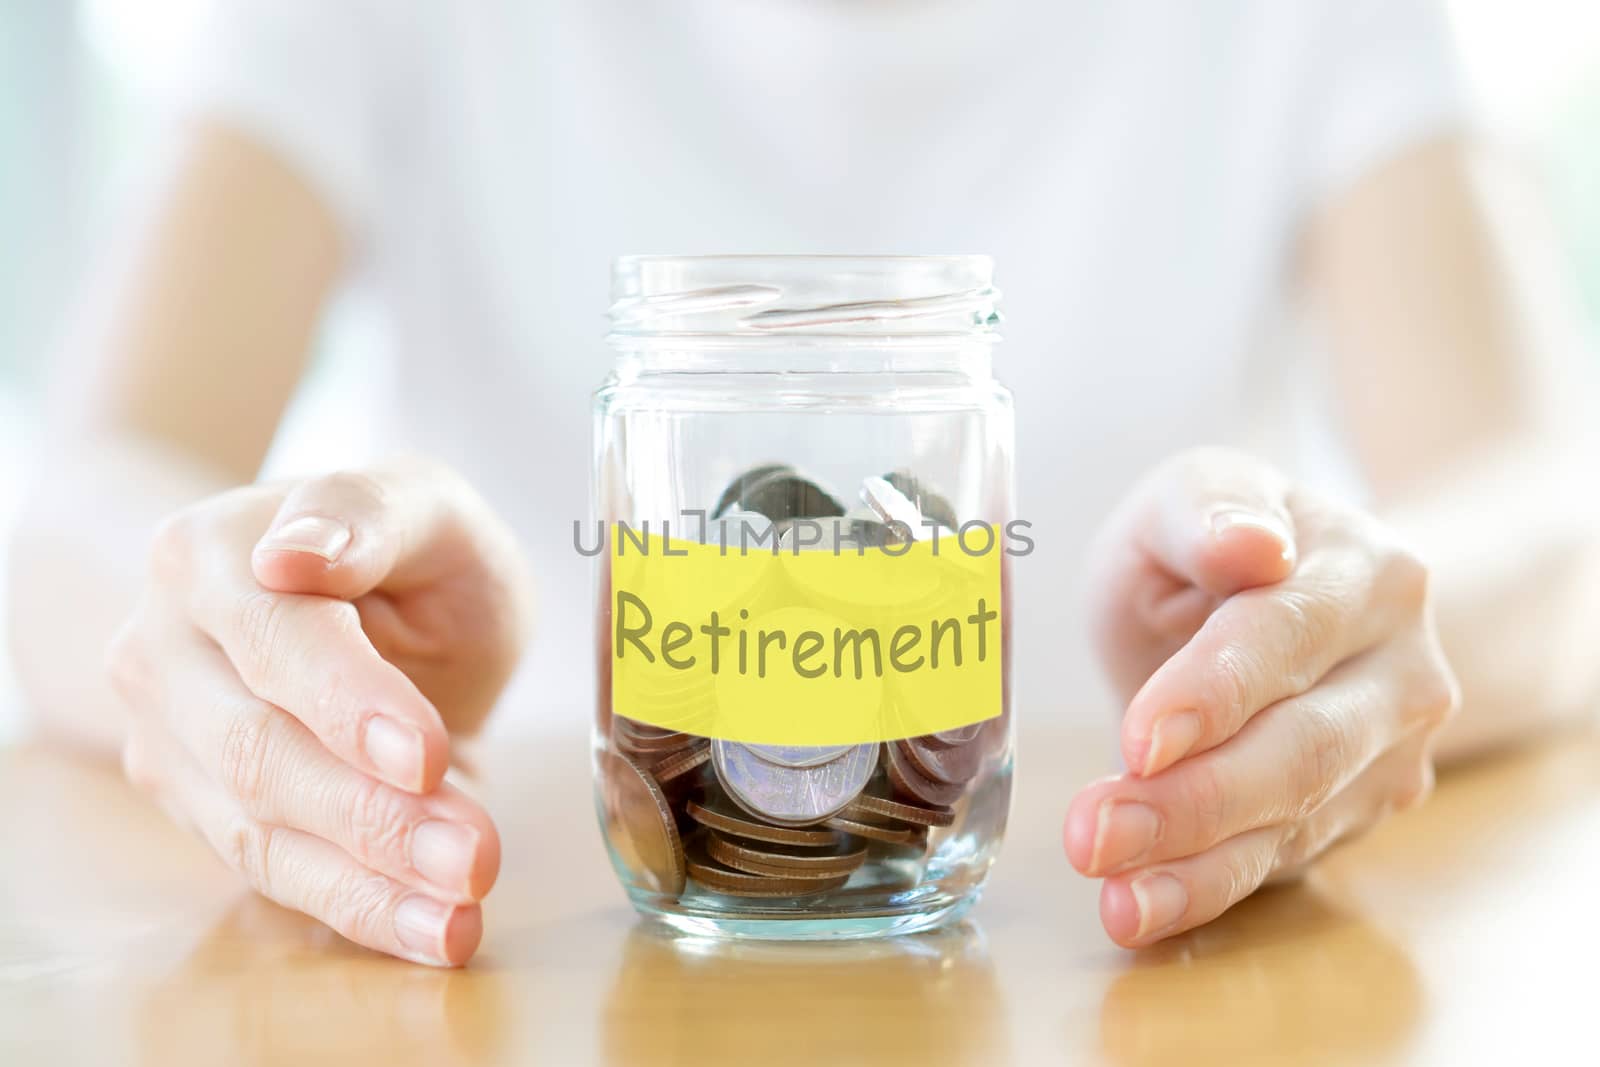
[1283, 971]
[269, 986]
[679, 999]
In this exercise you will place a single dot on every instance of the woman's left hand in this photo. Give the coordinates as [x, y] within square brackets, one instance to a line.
[1284, 682]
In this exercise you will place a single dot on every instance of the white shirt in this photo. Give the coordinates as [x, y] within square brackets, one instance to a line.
[1138, 169]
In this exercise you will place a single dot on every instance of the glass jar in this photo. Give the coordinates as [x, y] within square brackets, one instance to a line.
[803, 497]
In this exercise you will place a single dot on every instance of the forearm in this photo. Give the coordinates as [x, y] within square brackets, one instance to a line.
[1514, 549]
[76, 559]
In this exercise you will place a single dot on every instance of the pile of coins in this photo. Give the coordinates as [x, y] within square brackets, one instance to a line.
[786, 821]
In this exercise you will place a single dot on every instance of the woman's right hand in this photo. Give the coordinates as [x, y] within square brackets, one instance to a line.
[296, 663]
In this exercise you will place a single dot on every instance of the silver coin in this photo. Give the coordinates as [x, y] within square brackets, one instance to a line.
[890, 504]
[798, 755]
[792, 796]
[739, 533]
[896, 509]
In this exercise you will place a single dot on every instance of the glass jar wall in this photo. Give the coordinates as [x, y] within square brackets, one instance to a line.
[803, 485]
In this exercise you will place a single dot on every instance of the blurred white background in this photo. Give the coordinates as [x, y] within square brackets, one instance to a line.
[82, 86]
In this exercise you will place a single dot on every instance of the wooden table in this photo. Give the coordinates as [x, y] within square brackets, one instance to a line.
[1462, 933]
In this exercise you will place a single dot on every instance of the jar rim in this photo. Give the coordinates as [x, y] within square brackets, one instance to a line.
[750, 296]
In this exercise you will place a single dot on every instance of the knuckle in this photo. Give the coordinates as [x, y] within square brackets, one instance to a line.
[1438, 694]
[1204, 796]
[246, 846]
[351, 901]
[246, 756]
[1229, 685]
[1407, 578]
[1322, 752]
[1295, 845]
[1306, 622]
[1416, 788]
[127, 666]
[259, 620]
[172, 547]
[378, 822]
[137, 766]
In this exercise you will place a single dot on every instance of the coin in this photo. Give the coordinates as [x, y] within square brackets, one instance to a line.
[910, 782]
[783, 495]
[756, 831]
[798, 755]
[952, 764]
[959, 736]
[930, 504]
[737, 487]
[639, 737]
[883, 808]
[873, 831]
[767, 870]
[739, 533]
[792, 796]
[640, 823]
[680, 763]
[891, 505]
[651, 751]
[714, 876]
[785, 859]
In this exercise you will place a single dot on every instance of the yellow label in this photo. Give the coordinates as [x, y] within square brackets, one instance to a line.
[810, 648]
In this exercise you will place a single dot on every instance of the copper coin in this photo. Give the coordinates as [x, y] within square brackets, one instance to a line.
[640, 824]
[628, 739]
[629, 734]
[873, 831]
[912, 783]
[756, 831]
[959, 736]
[916, 814]
[714, 876]
[643, 730]
[681, 763]
[951, 764]
[788, 860]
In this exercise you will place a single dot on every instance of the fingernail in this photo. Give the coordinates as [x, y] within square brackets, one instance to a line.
[1171, 738]
[309, 533]
[1161, 900]
[1231, 518]
[420, 923]
[395, 749]
[443, 852]
[1124, 831]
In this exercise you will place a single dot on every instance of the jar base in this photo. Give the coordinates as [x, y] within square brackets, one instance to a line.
[889, 922]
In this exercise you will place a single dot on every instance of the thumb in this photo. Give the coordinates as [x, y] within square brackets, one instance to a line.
[1219, 519]
[342, 535]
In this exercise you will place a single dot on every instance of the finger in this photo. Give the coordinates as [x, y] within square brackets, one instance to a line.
[280, 774]
[1284, 764]
[1262, 645]
[1397, 781]
[1218, 519]
[1146, 905]
[314, 876]
[1198, 528]
[1149, 903]
[342, 534]
[305, 654]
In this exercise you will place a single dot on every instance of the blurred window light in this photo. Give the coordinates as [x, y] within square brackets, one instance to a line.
[1528, 60]
[139, 43]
